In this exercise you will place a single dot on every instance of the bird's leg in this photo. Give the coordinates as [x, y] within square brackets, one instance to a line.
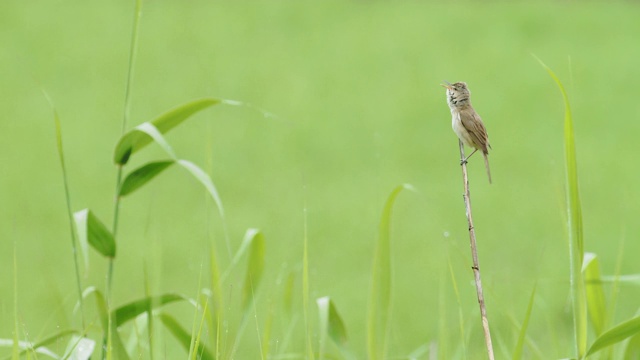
[464, 161]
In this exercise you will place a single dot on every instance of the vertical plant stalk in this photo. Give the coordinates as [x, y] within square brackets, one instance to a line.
[125, 118]
[74, 241]
[474, 256]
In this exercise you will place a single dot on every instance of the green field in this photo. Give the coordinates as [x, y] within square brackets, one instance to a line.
[342, 104]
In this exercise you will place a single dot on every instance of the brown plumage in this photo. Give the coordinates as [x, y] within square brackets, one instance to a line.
[466, 122]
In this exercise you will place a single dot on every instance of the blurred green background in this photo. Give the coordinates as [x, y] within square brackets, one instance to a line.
[358, 110]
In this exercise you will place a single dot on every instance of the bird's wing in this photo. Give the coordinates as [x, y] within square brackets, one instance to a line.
[478, 133]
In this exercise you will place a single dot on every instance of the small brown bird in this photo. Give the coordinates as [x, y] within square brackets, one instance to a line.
[466, 122]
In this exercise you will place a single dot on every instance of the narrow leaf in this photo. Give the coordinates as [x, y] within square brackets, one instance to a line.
[205, 180]
[574, 212]
[631, 279]
[133, 309]
[632, 352]
[616, 335]
[517, 353]
[51, 339]
[305, 285]
[287, 296]
[115, 347]
[255, 268]
[183, 337]
[137, 138]
[595, 293]
[380, 297]
[67, 194]
[92, 231]
[142, 175]
[331, 324]
[80, 348]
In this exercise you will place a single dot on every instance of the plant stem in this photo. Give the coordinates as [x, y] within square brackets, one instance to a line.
[74, 241]
[474, 255]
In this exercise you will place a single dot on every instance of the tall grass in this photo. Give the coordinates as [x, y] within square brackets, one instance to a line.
[220, 310]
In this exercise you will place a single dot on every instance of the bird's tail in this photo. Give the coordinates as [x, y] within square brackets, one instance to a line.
[486, 164]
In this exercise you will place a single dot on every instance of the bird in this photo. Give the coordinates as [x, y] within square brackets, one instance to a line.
[466, 122]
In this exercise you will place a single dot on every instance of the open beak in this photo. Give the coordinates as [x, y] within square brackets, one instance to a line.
[446, 84]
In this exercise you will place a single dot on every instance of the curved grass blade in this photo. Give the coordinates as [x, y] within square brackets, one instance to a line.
[616, 335]
[206, 181]
[40, 345]
[136, 139]
[67, 194]
[114, 347]
[25, 347]
[331, 324]
[380, 297]
[79, 348]
[93, 232]
[574, 212]
[133, 309]
[255, 268]
[249, 235]
[183, 337]
[632, 352]
[142, 175]
[597, 306]
[517, 353]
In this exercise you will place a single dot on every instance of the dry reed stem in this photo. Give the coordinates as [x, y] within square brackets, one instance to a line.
[474, 255]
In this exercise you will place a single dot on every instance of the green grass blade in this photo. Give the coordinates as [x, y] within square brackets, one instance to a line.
[287, 295]
[266, 333]
[517, 353]
[323, 321]
[67, 194]
[183, 337]
[114, 347]
[198, 340]
[247, 240]
[93, 232]
[133, 50]
[574, 212]
[630, 279]
[133, 309]
[616, 335]
[632, 352]
[305, 283]
[15, 353]
[49, 340]
[217, 315]
[255, 245]
[255, 268]
[379, 315]
[143, 175]
[454, 283]
[136, 139]
[331, 324]
[206, 181]
[597, 306]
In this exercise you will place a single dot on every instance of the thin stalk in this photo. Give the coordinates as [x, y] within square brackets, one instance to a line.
[74, 241]
[125, 118]
[474, 255]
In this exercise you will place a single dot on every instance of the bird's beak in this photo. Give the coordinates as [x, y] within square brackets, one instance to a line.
[446, 85]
